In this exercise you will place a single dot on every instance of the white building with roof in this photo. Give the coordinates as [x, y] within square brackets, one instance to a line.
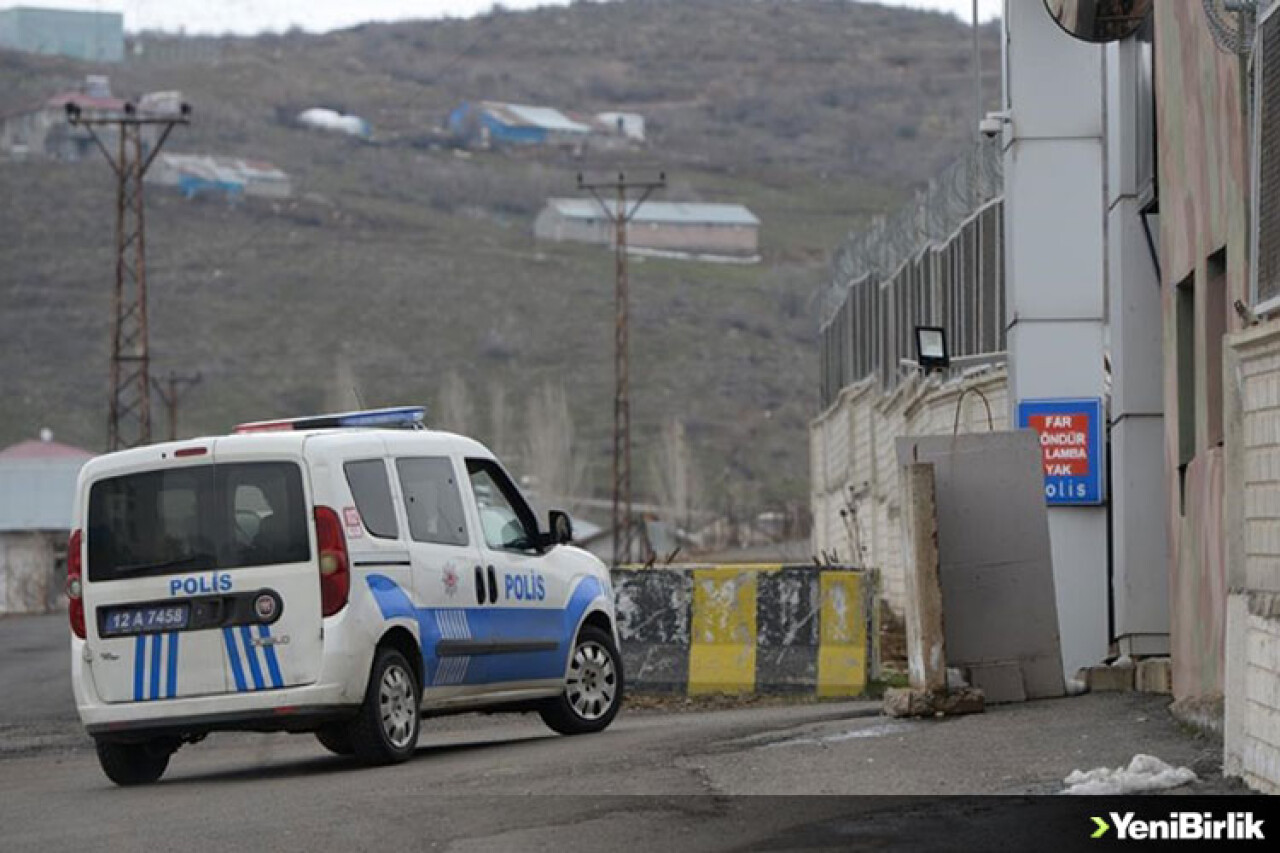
[37, 492]
[682, 228]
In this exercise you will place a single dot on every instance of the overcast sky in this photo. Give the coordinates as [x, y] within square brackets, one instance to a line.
[253, 16]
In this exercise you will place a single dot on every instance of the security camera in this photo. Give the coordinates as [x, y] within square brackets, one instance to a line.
[993, 123]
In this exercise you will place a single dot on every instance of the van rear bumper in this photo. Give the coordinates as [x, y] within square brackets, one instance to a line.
[302, 708]
[286, 718]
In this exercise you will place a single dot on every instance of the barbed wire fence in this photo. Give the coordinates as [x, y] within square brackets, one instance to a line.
[930, 218]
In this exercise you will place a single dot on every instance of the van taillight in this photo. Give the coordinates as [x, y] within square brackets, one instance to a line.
[75, 585]
[335, 567]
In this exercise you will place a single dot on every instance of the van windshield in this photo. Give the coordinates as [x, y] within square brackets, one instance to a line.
[224, 516]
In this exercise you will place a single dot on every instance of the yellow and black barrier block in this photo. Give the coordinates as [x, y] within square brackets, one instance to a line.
[746, 629]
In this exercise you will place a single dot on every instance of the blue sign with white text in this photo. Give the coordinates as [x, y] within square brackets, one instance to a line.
[1070, 434]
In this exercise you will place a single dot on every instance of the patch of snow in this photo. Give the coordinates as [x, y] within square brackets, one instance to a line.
[1144, 773]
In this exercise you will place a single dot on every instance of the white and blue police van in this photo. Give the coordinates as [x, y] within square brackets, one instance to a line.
[340, 574]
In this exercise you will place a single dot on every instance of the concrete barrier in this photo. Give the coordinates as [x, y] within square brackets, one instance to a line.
[748, 629]
[32, 571]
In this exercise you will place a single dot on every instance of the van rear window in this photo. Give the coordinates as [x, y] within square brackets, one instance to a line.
[224, 516]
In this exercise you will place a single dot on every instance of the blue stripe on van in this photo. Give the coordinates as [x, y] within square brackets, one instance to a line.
[173, 666]
[234, 657]
[139, 662]
[273, 665]
[252, 655]
[492, 623]
[157, 640]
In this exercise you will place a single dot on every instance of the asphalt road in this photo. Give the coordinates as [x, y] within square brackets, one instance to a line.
[656, 779]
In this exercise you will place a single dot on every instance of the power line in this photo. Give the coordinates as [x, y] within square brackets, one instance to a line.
[619, 214]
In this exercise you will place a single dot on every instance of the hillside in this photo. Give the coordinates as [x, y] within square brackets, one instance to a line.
[398, 263]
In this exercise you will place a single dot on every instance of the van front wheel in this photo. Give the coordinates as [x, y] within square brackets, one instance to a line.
[386, 729]
[593, 688]
[133, 763]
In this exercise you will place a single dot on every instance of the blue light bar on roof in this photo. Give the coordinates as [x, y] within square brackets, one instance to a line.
[406, 417]
[402, 417]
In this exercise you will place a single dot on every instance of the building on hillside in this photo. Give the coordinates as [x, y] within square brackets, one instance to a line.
[203, 174]
[42, 129]
[37, 491]
[332, 121]
[490, 124]
[628, 125]
[93, 36]
[683, 228]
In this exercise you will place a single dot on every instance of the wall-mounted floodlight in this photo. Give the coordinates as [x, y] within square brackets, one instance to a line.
[931, 348]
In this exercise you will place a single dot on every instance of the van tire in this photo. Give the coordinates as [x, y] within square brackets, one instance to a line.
[133, 763]
[336, 739]
[392, 702]
[596, 666]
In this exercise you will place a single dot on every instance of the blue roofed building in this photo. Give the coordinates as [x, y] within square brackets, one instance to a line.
[490, 124]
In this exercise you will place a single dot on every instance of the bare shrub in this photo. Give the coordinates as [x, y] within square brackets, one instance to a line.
[673, 475]
[556, 472]
[454, 409]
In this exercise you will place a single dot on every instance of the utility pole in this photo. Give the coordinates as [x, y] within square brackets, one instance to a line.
[975, 180]
[619, 214]
[977, 75]
[129, 419]
[171, 391]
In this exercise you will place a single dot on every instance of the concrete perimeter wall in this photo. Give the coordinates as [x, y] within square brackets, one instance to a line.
[854, 466]
[1252, 694]
[747, 629]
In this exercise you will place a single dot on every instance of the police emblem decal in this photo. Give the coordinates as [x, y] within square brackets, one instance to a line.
[450, 580]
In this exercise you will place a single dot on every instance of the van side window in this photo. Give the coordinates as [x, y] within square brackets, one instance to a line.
[432, 501]
[505, 517]
[372, 492]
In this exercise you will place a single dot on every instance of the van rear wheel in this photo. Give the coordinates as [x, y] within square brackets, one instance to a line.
[386, 729]
[134, 763]
[593, 689]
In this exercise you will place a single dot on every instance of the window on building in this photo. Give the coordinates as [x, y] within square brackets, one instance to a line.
[1185, 309]
[1215, 329]
[1268, 156]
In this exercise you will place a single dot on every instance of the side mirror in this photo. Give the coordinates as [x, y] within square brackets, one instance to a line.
[561, 527]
